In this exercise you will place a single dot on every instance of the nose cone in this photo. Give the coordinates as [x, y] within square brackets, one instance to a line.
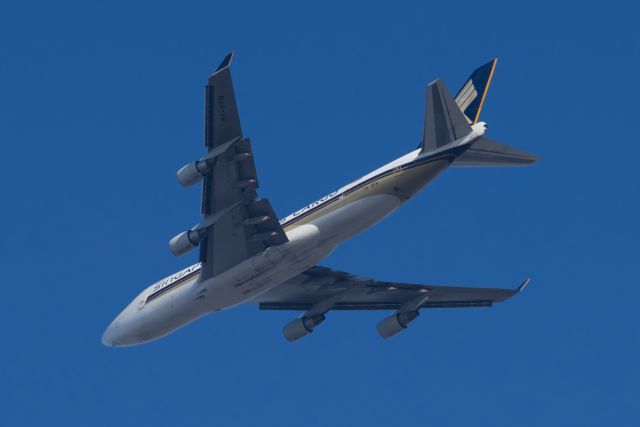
[124, 330]
[109, 338]
[129, 328]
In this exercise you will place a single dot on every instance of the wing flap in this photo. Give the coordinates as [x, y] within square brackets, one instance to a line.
[371, 306]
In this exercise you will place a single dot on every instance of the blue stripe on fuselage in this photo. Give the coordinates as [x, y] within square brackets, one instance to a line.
[450, 154]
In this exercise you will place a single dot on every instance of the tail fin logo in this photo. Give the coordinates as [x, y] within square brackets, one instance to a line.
[471, 97]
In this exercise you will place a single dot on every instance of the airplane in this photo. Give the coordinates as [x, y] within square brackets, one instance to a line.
[248, 256]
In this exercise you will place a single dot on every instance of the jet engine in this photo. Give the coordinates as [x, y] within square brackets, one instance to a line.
[192, 172]
[395, 323]
[301, 327]
[184, 242]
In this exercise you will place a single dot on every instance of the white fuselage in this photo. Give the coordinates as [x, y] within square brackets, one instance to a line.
[313, 233]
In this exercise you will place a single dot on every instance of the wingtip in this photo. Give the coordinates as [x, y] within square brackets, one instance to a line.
[529, 159]
[523, 284]
[225, 62]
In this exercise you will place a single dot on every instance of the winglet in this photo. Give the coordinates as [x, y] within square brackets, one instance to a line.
[225, 62]
[523, 285]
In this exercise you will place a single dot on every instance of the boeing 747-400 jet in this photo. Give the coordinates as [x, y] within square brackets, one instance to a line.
[248, 256]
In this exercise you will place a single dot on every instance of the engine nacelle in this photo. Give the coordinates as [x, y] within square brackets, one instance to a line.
[301, 327]
[192, 172]
[184, 242]
[395, 323]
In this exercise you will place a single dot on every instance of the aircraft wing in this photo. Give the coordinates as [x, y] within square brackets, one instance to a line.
[243, 223]
[345, 291]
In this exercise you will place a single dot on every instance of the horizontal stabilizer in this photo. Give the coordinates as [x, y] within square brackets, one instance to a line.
[486, 152]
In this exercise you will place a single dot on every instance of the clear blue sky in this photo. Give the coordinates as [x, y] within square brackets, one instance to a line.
[101, 102]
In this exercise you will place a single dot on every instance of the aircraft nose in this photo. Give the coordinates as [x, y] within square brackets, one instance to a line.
[109, 336]
[124, 331]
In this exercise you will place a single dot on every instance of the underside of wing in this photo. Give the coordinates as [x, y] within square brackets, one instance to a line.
[252, 226]
[359, 293]
[320, 290]
[236, 223]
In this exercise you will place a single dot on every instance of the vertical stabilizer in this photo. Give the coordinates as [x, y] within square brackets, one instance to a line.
[471, 96]
[444, 122]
